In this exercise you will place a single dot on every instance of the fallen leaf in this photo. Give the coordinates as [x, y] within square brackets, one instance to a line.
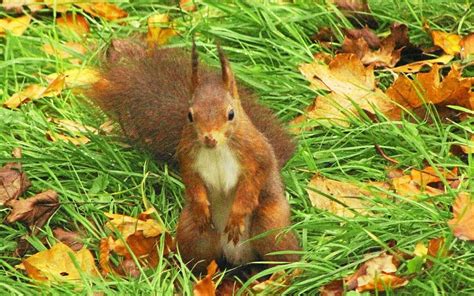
[15, 26]
[72, 126]
[340, 198]
[358, 12]
[136, 237]
[418, 65]
[206, 287]
[60, 264]
[450, 43]
[334, 288]
[77, 78]
[70, 238]
[428, 87]
[73, 23]
[350, 83]
[376, 274]
[66, 51]
[34, 211]
[158, 30]
[470, 147]
[372, 40]
[59, 5]
[103, 10]
[373, 51]
[277, 283]
[17, 5]
[462, 223]
[437, 247]
[104, 255]
[75, 140]
[420, 250]
[13, 181]
[467, 46]
[187, 5]
[407, 187]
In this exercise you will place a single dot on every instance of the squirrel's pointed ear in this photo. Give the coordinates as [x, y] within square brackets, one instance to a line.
[227, 75]
[194, 65]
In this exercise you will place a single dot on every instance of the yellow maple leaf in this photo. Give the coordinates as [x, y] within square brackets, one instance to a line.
[158, 30]
[16, 26]
[58, 264]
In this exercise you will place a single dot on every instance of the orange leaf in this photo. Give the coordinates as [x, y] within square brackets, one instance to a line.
[462, 223]
[104, 10]
[467, 46]
[73, 23]
[206, 287]
[447, 41]
[417, 66]
[428, 87]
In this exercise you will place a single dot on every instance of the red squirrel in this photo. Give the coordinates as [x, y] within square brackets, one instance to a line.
[229, 148]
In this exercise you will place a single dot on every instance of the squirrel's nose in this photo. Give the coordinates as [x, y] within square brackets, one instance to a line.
[209, 141]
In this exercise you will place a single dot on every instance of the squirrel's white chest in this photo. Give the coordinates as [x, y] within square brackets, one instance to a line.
[218, 167]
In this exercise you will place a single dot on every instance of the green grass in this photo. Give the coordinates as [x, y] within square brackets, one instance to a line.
[265, 43]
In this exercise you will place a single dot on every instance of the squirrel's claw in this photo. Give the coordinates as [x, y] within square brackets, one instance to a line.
[202, 216]
[235, 228]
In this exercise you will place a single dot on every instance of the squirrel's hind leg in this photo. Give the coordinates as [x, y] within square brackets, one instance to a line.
[271, 216]
[197, 249]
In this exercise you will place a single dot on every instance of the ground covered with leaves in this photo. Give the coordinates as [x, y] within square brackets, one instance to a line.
[379, 97]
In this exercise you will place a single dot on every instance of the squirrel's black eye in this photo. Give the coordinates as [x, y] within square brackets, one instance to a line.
[231, 114]
[190, 116]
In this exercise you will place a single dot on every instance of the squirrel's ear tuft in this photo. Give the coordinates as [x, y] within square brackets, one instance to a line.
[227, 75]
[194, 65]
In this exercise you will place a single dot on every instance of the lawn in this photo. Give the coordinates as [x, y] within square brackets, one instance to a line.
[266, 42]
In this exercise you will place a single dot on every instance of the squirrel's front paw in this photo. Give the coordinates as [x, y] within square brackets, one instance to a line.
[235, 228]
[202, 216]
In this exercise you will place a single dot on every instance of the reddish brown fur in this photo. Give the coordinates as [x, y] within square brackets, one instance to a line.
[148, 94]
[150, 97]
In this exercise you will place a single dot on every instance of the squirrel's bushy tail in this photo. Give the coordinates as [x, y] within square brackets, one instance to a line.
[148, 93]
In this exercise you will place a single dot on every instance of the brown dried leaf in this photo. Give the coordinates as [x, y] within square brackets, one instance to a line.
[70, 238]
[103, 10]
[358, 12]
[16, 26]
[462, 223]
[428, 87]
[351, 83]
[13, 182]
[334, 288]
[73, 23]
[376, 274]
[75, 140]
[158, 30]
[277, 283]
[104, 255]
[418, 65]
[56, 265]
[34, 211]
[66, 51]
[346, 198]
[366, 34]
[206, 287]
[72, 126]
[449, 42]
[373, 51]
